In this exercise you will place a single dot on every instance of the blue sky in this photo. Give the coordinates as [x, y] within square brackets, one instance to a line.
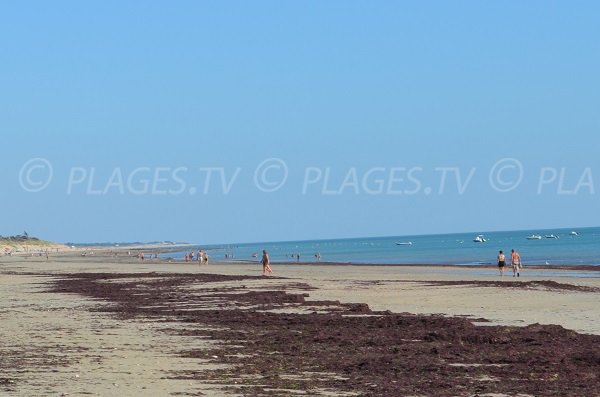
[344, 86]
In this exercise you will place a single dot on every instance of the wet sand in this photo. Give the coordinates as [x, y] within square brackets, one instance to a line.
[115, 326]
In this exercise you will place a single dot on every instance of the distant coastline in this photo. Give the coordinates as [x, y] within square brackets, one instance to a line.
[24, 244]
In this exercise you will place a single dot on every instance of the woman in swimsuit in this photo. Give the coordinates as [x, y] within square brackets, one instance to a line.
[501, 262]
[266, 263]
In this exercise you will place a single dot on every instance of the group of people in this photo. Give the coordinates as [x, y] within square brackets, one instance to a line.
[141, 256]
[266, 261]
[201, 257]
[297, 257]
[515, 263]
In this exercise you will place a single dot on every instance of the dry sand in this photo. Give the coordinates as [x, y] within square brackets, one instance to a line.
[64, 349]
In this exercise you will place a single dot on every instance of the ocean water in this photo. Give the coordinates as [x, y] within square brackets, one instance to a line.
[427, 249]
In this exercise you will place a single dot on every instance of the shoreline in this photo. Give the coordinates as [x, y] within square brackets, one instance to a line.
[578, 267]
[119, 252]
[163, 250]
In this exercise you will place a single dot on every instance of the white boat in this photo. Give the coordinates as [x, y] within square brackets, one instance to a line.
[405, 243]
[552, 236]
[479, 239]
[534, 237]
[574, 234]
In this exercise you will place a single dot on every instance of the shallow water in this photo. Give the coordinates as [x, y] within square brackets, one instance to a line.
[428, 249]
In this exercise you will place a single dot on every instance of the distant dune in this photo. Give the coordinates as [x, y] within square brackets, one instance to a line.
[25, 244]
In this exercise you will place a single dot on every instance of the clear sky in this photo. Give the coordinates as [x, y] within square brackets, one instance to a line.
[128, 107]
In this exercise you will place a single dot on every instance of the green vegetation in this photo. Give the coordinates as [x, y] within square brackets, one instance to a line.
[24, 241]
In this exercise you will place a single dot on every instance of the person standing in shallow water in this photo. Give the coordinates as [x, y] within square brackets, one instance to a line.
[266, 262]
[515, 261]
[501, 262]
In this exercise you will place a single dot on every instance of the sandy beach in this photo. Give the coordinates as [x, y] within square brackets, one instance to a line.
[106, 325]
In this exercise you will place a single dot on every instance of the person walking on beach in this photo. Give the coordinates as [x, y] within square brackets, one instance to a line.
[206, 258]
[501, 262]
[266, 263]
[515, 261]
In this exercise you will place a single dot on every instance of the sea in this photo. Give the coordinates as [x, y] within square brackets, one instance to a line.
[556, 247]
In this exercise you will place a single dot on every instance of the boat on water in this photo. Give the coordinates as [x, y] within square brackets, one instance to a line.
[480, 239]
[405, 243]
[552, 237]
[534, 237]
[574, 233]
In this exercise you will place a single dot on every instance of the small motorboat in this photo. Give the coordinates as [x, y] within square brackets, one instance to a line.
[479, 239]
[534, 237]
[574, 234]
[552, 237]
[405, 243]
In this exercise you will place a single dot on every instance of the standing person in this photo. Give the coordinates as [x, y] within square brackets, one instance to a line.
[266, 261]
[206, 258]
[501, 262]
[515, 261]
[200, 257]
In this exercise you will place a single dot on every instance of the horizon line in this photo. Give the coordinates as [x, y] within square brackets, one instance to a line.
[171, 242]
